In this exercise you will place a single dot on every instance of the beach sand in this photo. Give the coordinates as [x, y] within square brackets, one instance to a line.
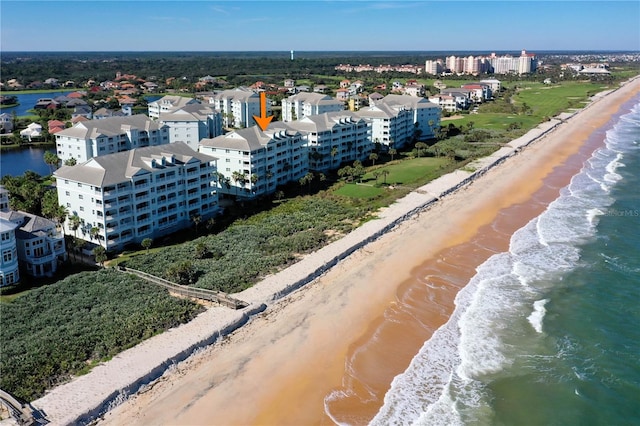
[335, 344]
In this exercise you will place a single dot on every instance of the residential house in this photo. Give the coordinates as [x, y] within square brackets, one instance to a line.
[334, 138]
[306, 104]
[166, 104]
[82, 110]
[463, 96]
[238, 106]
[33, 130]
[9, 267]
[29, 242]
[191, 123]
[6, 123]
[143, 193]
[253, 163]
[446, 102]
[55, 126]
[94, 138]
[479, 92]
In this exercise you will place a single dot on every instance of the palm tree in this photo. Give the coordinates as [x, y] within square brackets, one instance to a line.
[334, 153]
[196, 219]
[254, 179]
[237, 177]
[74, 224]
[384, 174]
[373, 157]
[392, 153]
[420, 146]
[93, 232]
[52, 160]
[146, 244]
[100, 255]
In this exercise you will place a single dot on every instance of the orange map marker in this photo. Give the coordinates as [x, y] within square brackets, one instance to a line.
[263, 121]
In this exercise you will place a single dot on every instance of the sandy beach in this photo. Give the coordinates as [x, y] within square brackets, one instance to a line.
[327, 352]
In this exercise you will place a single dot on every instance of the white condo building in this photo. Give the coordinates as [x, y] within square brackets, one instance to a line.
[191, 123]
[254, 163]
[167, 104]
[93, 138]
[143, 193]
[397, 119]
[335, 138]
[305, 104]
[237, 106]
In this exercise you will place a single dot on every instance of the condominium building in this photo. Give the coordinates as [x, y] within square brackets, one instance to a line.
[143, 193]
[305, 104]
[433, 67]
[237, 106]
[93, 138]
[334, 138]
[191, 123]
[252, 162]
[167, 104]
[396, 120]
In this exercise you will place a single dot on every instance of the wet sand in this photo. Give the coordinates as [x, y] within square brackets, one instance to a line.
[350, 332]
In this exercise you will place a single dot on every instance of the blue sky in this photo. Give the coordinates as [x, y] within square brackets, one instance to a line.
[154, 25]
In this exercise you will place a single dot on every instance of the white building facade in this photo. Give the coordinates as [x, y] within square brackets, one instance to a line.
[237, 106]
[334, 138]
[253, 163]
[191, 123]
[94, 138]
[396, 120]
[305, 104]
[144, 193]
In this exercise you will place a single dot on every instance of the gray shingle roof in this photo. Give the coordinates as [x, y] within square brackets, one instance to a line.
[120, 167]
[111, 126]
[249, 139]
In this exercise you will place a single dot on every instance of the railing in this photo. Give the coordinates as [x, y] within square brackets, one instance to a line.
[186, 291]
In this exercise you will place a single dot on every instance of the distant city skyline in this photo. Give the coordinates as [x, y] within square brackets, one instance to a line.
[368, 25]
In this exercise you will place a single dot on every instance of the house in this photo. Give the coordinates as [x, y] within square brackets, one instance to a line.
[54, 126]
[166, 104]
[238, 106]
[191, 123]
[480, 92]
[320, 88]
[463, 96]
[289, 83]
[6, 123]
[334, 138]
[93, 138]
[106, 113]
[445, 102]
[33, 130]
[9, 267]
[82, 110]
[252, 163]
[342, 94]
[29, 242]
[142, 193]
[306, 104]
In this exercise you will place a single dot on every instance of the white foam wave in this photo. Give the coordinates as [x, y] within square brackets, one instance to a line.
[537, 316]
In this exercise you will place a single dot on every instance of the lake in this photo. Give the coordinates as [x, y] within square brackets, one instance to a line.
[28, 100]
[17, 161]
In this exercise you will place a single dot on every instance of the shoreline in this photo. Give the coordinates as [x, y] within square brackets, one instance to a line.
[92, 395]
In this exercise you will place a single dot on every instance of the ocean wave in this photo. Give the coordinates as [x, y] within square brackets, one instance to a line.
[444, 383]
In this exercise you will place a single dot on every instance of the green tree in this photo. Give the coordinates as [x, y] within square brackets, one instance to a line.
[393, 152]
[100, 255]
[52, 160]
[74, 224]
[146, 244]
[201, 251]
[196, 219]
[373, 157]
[70, 162]
[181, 273]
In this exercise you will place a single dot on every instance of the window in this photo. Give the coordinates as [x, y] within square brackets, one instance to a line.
[67, 193]
[7, 256]
[6, 236]
[81, 208]
[81, 197]
[79, 185]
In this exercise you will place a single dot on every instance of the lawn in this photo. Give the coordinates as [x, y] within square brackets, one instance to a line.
[410, 173]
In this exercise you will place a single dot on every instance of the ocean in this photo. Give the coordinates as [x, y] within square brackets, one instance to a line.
[548, 332]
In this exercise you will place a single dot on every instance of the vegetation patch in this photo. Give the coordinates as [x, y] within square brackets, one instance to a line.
[57, 331]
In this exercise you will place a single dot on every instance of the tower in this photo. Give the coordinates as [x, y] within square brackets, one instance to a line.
[292, 55]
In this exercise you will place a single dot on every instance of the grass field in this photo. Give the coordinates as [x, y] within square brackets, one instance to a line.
[409, 173]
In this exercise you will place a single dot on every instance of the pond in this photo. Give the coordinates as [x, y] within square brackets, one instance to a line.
[17, 161]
